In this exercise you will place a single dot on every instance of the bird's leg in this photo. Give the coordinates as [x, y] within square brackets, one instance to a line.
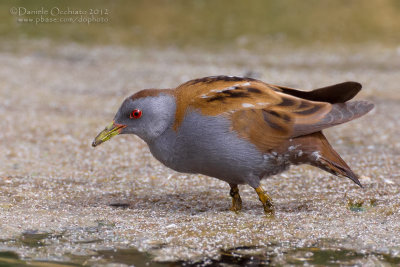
[265, 200]
[236, 200]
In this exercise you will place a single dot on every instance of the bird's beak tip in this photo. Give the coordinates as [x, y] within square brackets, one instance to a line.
[110, 131]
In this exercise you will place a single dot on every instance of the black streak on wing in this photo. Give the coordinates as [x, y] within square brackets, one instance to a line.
[228, 94]
[286, 102]
[273, 113]
[254, 90]
[216, 98]
[304, 105]
[231, 93]
[309, 111]
[211, 79]
[232, 78]
[286, 117]
[271, 123]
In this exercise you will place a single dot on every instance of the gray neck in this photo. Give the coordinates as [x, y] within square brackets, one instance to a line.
[163, 147]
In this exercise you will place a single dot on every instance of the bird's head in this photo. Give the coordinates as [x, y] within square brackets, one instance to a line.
[147, 114]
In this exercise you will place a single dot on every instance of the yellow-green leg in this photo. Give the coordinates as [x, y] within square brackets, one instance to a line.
[236, 200]
[265, 200]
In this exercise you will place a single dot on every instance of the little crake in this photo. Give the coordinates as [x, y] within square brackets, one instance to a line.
[239, 130]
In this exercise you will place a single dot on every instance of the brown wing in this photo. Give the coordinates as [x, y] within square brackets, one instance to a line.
[222, 94]
[268, 127]
[265, 114]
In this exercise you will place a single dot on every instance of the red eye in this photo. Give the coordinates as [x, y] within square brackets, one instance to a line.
[136, 114]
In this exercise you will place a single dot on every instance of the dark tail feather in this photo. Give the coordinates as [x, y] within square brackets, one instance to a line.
[316, 151]
[338, 93]
[337, 166]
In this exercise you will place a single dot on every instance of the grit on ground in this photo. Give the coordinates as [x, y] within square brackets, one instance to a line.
[52, 182]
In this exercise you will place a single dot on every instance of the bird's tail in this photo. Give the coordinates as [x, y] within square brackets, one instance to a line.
[340, 113]
[314, 149]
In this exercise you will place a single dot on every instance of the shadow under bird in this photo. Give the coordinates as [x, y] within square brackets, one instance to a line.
[239, 130]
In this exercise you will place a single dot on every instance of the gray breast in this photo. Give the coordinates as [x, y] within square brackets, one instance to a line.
[206, 145]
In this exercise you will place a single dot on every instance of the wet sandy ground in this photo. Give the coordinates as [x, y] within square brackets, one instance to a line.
[73, 200]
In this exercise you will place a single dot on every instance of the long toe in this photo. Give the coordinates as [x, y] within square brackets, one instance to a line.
[266, 201]
[236, 205]
[269, 210]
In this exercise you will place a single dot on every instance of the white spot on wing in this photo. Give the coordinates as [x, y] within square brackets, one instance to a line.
[263, 103]
[217, 90]
[316, 155]
[247, 105]
[231, 88]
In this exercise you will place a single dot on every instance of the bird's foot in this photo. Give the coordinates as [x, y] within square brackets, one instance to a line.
[236, 200]
[236, 205]
[266, 201]
[269, 211]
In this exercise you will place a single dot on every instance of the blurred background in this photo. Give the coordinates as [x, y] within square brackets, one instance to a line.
[209, 24]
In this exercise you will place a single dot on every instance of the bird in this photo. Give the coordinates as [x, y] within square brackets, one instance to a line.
[239, 130]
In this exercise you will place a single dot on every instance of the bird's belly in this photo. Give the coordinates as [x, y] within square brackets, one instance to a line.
[208, 146]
